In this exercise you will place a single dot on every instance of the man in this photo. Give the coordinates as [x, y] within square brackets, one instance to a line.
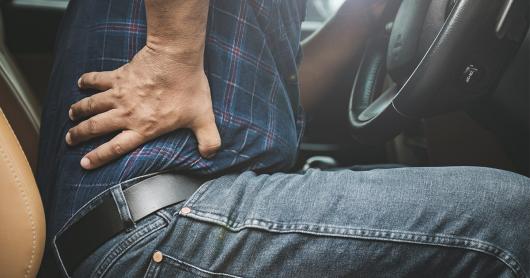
[211, 89]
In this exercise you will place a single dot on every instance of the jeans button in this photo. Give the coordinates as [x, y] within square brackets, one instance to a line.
[157, 256]
[185, 211]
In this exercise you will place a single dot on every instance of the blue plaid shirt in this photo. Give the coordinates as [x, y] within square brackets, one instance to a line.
[252, 53]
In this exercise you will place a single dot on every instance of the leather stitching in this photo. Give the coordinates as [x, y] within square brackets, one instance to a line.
[12, 132]
[18, 184]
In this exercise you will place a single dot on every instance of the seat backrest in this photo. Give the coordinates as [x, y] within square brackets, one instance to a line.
[22, 226]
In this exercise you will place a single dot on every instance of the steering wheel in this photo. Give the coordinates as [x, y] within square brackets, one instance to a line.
[430, 57]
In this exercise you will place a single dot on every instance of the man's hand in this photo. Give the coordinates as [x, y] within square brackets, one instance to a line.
[162, 89]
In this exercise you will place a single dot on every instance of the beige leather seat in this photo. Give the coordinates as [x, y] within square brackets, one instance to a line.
[22, 227]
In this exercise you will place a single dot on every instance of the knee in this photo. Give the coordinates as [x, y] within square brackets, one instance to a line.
[502, 196]
[503, 212]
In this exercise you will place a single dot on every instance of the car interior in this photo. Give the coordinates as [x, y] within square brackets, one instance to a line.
[406, 114]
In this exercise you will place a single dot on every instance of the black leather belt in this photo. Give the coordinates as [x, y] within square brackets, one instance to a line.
[103, 222]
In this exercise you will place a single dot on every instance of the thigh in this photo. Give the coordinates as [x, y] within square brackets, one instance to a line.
[254, 109]
[252, 47]
[435, 222]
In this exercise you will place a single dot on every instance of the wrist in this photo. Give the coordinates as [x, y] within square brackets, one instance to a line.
[182, 50]
[177, 28]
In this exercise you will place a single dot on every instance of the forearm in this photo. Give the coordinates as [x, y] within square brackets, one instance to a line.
[329, 52]
[178, 27]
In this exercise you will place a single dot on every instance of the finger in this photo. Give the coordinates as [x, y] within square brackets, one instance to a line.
[92, 105]
[208, 138]
[120, 145]
[96, 80]
[96, 126]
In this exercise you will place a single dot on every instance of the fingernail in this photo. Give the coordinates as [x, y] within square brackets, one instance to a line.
[68, 138]
[71, 114]
[85, 163]
[79, 82]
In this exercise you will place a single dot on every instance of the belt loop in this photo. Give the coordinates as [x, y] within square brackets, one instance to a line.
[123, 207]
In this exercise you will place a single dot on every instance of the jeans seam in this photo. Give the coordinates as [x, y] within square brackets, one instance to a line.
[197, 195]
[152, 269]
[361, 233]
[165, 215]
[120, 248]
[174, 260]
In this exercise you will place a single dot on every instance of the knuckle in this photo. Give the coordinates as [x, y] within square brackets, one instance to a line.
[149, 126]
[90, 105]
[148, 132]
[217, 145]
[128, 112]
[92, 126]
[212, 147]
[118, 93]
[97, 157]
[118, 75]
[117, 149]
[151, 120]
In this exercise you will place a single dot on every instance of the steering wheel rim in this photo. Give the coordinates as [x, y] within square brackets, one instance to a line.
[432, 78]
[367, 111]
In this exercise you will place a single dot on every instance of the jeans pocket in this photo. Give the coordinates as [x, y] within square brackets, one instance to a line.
[163, 265]
[126, 253]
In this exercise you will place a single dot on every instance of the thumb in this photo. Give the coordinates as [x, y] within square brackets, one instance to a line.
[208, 137]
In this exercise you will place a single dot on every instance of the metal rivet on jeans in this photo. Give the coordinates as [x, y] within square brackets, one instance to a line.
[157, 256]
[185, 211]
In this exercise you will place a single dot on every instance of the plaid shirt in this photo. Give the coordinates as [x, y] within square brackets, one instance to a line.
[252, 52]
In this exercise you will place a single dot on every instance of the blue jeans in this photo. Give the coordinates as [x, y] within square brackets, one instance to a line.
[408, 222]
